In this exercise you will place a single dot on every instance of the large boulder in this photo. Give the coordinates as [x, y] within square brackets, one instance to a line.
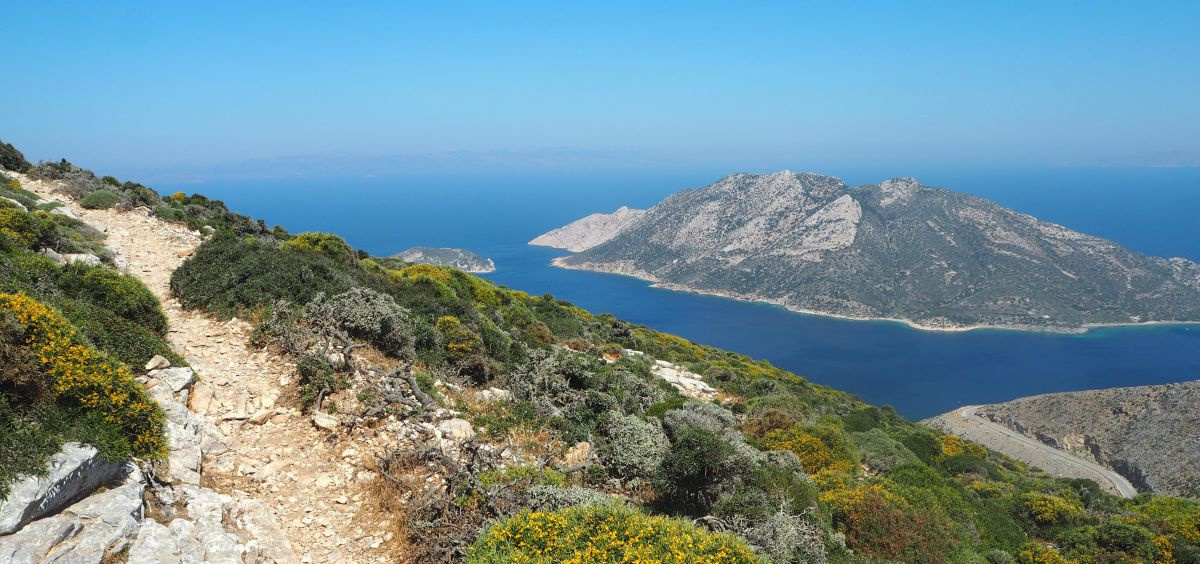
[90, 531]
[73, 472]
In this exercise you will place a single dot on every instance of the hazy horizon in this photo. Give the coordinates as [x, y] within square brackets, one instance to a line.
[167, 92]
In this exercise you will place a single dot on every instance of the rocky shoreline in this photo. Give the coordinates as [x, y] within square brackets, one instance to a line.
[948, 327]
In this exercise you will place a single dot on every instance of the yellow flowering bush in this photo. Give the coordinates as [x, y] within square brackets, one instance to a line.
[460, 341]
[1033, 553]
[327, 244]
[84, 376]
[29, 229]
[955, 446]
[1173, 516]
[824, 450]
[441, 274]
[1046, 509]
[605, 533]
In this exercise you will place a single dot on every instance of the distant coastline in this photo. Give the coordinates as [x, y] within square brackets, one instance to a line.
[949, 328]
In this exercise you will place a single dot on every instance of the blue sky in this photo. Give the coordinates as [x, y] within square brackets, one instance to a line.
[746, 86]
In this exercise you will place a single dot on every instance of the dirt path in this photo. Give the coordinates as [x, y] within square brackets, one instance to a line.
[313, 483]
[965, 423]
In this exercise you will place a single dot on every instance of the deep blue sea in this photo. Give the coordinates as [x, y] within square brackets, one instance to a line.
[1155, 211]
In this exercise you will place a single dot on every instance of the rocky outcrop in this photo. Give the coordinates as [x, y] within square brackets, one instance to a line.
[195, 523]
[96, 527]
[457, 258]
[71, 474]
[583, 234]
[896, 250]
[687, 382]
[1148, 434]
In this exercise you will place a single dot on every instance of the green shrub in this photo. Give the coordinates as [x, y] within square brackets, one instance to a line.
[690, 476]
[368, 315]
[326, 244]
[123, 295]
[124, 340]
[635, 447]
[604, 533]
[12, 159]
[317, 380]
[100, 200]
[530, 475]
[880, 452]
[1108, 542]
[228, 273]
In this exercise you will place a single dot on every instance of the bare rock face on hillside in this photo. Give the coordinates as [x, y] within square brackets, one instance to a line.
[898, 249]
[1149, 434]
[583, 234]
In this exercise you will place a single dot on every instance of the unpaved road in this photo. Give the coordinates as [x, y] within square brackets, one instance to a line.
[1080, 467]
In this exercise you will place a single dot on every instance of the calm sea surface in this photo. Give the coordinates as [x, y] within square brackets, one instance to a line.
[1155, 211]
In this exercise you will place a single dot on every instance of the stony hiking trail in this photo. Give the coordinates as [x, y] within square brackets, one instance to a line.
[313, 481]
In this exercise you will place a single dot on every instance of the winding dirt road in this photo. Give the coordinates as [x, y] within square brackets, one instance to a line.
[1082, 467]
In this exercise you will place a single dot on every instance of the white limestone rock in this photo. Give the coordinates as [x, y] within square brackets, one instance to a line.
[176, 378]
[74, 472]
[456, 429]
[585, 233]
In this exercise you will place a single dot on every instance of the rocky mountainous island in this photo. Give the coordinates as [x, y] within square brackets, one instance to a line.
[935, 258]
[440, 256]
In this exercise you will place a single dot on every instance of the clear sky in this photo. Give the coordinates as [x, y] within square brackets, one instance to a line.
[738, 85]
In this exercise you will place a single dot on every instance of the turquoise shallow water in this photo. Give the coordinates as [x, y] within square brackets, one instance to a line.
[920, 373]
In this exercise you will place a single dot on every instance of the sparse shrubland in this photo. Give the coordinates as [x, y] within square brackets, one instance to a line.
[801, 471]
[777, 468]
[68, 335]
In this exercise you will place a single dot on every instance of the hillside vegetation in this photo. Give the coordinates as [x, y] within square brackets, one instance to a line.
[773, 468]
[68, 334]
[801, 471]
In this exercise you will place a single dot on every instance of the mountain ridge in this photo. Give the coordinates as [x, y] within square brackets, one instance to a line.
[898, 250]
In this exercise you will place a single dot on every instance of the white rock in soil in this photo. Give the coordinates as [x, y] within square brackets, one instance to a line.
[201, 399]
[176, 378]
[457, 429]
[325, 421]
[493, 394]
[84, 258]
[64, 210]
[74, 472]
[157, 362]
[50, 254]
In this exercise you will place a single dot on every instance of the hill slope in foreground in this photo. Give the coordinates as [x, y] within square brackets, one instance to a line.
[379, 410]
[934, 258]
